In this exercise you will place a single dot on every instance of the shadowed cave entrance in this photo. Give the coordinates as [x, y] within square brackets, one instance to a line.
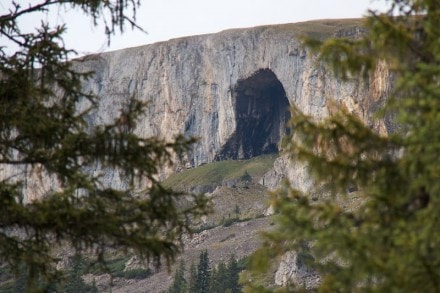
[261, 113]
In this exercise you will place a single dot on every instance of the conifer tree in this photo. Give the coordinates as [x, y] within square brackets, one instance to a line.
[233, 272]
[192, 283]
[375, 226]
[179, 284]
[42, 131]
[203, 273]
[74, 281]
[219, 278]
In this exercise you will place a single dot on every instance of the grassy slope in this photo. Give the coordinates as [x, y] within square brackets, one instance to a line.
[218, 172]
[320, 29]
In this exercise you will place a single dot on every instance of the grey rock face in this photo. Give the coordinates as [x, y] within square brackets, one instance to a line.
[216, 87]
[294, 269]
[231, 89]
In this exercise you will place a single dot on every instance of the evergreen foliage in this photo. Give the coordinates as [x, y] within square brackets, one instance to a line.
[43, 132]
[179, 284]
[387, 239]
[222, 279]
[203, 273]
[232, 276]
[192, 283]
[74, 282]
[219, 278]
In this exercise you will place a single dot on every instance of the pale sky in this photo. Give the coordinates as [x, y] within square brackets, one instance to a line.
[167, 19]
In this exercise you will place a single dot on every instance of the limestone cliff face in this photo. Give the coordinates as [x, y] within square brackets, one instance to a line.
[232, 89]
[216, 87]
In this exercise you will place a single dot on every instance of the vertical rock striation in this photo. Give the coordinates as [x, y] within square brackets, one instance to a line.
[231, 89]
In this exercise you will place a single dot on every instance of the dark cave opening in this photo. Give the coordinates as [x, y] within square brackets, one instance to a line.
[261, 111]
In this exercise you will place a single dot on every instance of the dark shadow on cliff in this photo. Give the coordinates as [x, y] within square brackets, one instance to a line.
[261, 113]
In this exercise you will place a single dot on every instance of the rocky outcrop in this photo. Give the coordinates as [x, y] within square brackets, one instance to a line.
[294, 270]
[231, 89]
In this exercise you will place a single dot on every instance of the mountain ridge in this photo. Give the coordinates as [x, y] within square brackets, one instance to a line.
[202, 85]
[218, 87]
